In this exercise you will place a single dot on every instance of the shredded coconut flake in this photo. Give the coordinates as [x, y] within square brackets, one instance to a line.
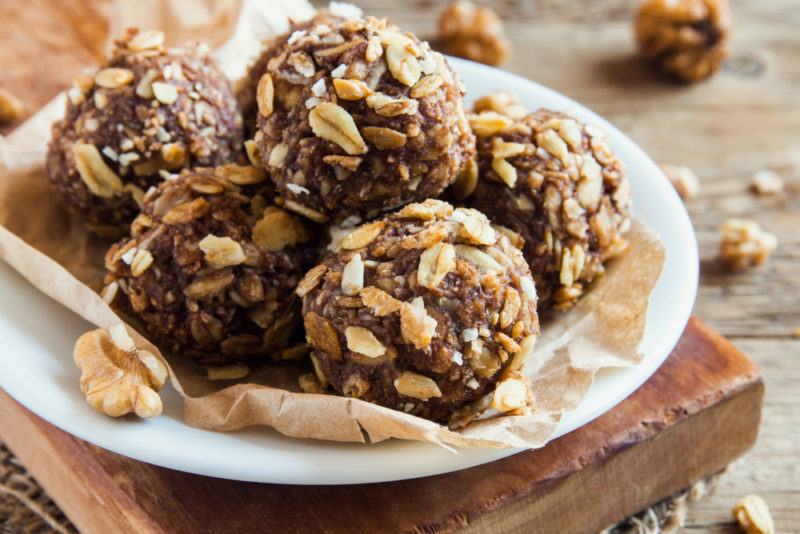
[339, 71]
[470, 334]
[298, 189]
[472, 384]
[319, 89]
[128, 256]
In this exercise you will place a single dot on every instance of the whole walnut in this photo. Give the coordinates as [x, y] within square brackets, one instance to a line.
[687, 39]
[473, 32]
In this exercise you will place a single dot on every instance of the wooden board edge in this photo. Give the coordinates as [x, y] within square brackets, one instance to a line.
[733, 423]
[70, 474]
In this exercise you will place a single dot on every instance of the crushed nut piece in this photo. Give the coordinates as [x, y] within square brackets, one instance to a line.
[416, 326]
[510, 394]
[381, 302]
[753, 515]
[351, 89]
[117, 377]
[766, 182]
[744, 244]
[683, 179]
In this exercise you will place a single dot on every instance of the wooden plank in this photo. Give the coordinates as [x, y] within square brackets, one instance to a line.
[697, 413]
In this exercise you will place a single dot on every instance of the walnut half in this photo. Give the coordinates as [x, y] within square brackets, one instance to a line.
[117, 377]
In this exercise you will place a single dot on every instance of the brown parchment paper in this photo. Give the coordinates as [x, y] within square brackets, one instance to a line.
[60, 257]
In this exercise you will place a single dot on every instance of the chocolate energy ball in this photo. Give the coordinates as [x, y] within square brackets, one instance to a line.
[149, 110]
[424, 311]
[247, 87]
[360, 118]
[211, 266]
[557, 184]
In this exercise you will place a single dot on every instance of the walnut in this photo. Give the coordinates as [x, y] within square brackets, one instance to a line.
[117, 377]
[473, 32]
[745, 244]
[753, 516]
[11, 109]
[683, 179]
[766, 182]
[687, 39]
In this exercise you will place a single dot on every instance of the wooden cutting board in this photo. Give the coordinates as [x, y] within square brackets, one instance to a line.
[696, 414]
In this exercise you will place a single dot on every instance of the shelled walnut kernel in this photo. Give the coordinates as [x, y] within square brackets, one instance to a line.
[473, 32]
[116, 376]
[744, 244]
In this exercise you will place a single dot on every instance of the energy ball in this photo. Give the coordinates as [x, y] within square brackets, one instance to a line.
[247, 87]
[210, 266]
[359, 118]
[561, 191]
[148, 111]
[424, 311]
[687, 39]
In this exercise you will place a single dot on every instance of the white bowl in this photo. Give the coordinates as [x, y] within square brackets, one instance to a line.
[36, 366]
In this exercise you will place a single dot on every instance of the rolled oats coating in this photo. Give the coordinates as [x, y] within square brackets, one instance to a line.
[211, 266]
[359, 118]
[424, 311]
[148, 111]
[558, 188]
[247, 88]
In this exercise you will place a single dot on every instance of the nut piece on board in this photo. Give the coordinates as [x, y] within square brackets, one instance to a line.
[11, 109]
[473, 32]
[744, 244]
[687, 39]
[117, 377]
[753, 516]
[683, 179]
[766, 182]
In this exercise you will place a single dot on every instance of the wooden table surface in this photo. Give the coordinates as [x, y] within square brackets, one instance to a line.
[745, 119]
